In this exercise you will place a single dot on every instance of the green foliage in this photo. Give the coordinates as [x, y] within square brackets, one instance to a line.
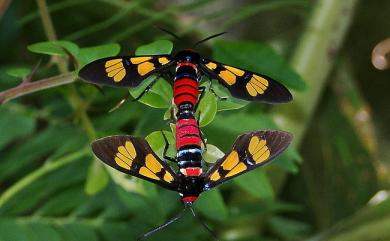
[155, 48]
[18, 72]
[54, 48]
[52, 188]
[87, 55]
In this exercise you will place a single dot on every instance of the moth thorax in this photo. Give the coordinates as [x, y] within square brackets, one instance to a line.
[187, 133]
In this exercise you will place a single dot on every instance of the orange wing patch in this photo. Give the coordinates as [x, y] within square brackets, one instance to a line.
[258, 149]
[231, 166]
[230, 74]
[145, 66]
[228, 77]
[125, 155]
[138, 60]
[115, 69]
[163, 60]
[152, 169]
[211, 65]
[237, 72]
[256, 85]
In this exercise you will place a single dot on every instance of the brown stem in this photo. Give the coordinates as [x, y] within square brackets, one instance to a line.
[30, 87]
[46, 20]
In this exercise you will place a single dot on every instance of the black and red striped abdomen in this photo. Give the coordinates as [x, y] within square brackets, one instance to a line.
[185, 90]
[187, 133]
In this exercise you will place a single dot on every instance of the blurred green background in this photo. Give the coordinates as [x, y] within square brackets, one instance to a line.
[330, 185]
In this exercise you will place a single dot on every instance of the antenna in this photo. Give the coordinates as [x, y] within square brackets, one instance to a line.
[169, 32]
[208, 38]
[204, 225]
[162, 226]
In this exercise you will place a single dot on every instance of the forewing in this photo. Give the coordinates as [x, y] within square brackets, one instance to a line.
[247, 85]
[124, 71]
[134, 156]
[249, 151]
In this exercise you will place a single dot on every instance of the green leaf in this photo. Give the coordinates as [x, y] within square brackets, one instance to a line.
[14, 125]
[11, 232]
[211, 205]
[41, 231]
[229, 103]
[18, 72]
[54, 48]
[256, 183]
[289, 229]
[168, 114]
[62, 203]
[157, 143]
[39, 146]
[159, 96]
[212, 154]
[90, 54]
[97, 178]
[259, 58]
[207, 108]
[155, 48]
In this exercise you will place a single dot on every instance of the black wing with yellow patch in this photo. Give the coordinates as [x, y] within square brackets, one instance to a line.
[124, 71]
[134, 156]
[249, 151]
[247, 85]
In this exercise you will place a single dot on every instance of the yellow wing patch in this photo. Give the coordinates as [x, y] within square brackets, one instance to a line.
[237, 169]
[145, 68]
[235, 71]
[256, 85]
[228, 77]
[232, 165]
[115, 69]
[152, 163]
[153, 168]
[125, 155]
[168, 177]
[138, 60]
[163, 60]
[258, 149]
[211, 65]
[215, 176]
[148, 173]
[230, 74]
[231, 161]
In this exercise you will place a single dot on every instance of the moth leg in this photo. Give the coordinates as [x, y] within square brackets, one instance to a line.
[201, 133]
[166, 157]
[213, 91]
[146, 90]
[120, 103]
[202, 90]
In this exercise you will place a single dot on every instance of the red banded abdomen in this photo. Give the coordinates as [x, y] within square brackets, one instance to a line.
[185, 90]
[187, 133]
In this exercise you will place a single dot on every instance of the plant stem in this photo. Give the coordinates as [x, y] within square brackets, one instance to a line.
[73, 97]
[313, 60]
[30, 87]
[46, 168]
[46, 20]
